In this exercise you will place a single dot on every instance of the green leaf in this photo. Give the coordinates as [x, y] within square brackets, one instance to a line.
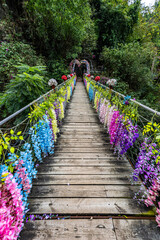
[11, 132]
[11, 168]
[21, 138]
[12, 149]
[5, 146]
[19, 133]
[1, 150]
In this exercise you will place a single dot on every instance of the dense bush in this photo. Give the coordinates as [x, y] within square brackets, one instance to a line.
[57, 26]
[25, 87]
[15, 53]
[114, 21]
[131, 63]
[57, 68]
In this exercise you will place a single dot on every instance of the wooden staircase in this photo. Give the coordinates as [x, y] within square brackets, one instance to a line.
[85, 186]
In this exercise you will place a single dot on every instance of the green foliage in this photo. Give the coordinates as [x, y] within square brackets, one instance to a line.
[131, 63]
[114, 21]
[26, 86]
[148, 27]
[15, 53]
[122, 87]
[6, 141]
[38, 111]
[90, 41]
[57, 68]
[58, 25]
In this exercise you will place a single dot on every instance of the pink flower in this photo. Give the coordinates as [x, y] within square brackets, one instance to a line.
[11, 209]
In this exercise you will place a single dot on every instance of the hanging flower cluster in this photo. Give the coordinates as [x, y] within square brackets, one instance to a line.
[103, 110]
[123, 134]
[148, 166]
[146, 162]
[42, 138]
[16, 185]
[11, 206]
[153, 198]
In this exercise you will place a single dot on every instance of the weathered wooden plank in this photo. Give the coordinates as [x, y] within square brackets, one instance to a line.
[85, 130]
[87, 157]
[81, 150]
[85, 206]
[83, 117]
[82, 145]
[83, 112]
[136, 229]
[84, 170]
[82, 128]
[74, 162]
[82, 179]
[80, 124]
[79, 108]
[77, 134]
[80, 141]
[77, 120]
[68, 191]
[90, 155]
[81, 191]
[84, 137]
[69, 229]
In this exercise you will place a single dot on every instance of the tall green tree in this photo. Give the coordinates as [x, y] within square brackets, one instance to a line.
[114, 21]
[58, 27]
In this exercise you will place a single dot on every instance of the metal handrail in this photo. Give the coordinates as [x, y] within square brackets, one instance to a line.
[138, 103]
[30, 104]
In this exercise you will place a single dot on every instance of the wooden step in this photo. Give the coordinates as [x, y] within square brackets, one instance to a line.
[95, 229]
[69, 230]
[81, 150]
[85, 179]
[82, 155]
[86, 206]
[84, 170]
[83, 191]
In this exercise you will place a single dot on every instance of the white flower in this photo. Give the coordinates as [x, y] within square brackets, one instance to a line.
[112, 82]
[52, 82]
[68, 76]
[92, 77]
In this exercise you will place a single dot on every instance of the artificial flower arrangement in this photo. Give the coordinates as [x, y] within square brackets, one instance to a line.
[70, 75]
[64, 77]
[97, 78]
[52, 83]
[19, 168]
[111, 82]
[120, 118]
